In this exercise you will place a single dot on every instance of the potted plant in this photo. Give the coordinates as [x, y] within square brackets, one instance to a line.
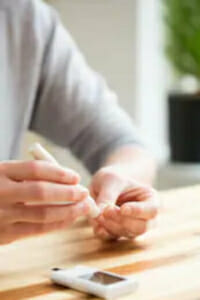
[182, 20]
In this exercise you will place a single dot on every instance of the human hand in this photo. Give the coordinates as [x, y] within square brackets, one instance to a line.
[22, 183]
[132, 204]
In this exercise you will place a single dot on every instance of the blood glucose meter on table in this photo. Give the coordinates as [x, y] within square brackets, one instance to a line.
[93, 281]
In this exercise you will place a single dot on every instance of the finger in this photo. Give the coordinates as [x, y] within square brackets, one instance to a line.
[39, 170]
[133, 228]
[41, 192]
[112, 213]
[129, 227]
[108, 195]
[139, 193]
[110, 190]
[112, 227]
[103, 234]
[46, 214]
[99, 225]
[140, 210]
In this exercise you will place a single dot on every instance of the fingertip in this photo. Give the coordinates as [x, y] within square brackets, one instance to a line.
[103, 234]
[85, 193]
[101, 220]
[110, 211]
[131, 209]
[76, 177]
[86, 208]
[82, 194]
[71, 175]
[80, 209]
[103, 206]
[154, 213]
[125, 210]
[73, 180]
[107, 212]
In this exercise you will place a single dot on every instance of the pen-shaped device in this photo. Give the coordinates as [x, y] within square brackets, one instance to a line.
[39, 153]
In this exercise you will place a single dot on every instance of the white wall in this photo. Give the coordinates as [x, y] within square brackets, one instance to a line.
[105, 32]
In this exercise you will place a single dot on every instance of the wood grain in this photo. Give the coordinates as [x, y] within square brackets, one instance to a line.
[166, 261]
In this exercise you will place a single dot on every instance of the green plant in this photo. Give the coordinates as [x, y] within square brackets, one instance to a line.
[182, 20]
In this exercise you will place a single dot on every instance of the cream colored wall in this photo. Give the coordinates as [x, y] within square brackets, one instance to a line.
[105, 32]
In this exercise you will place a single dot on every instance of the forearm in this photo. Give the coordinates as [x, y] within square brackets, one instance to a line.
[137, 162]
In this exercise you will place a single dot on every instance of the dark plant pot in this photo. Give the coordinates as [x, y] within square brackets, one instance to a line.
[184, 127]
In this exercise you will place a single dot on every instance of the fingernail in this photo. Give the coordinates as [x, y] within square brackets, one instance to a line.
[75, 177]
[84, 207]
[108, 211]
[83, 192]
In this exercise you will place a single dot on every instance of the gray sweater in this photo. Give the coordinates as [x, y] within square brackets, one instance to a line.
[47, 86]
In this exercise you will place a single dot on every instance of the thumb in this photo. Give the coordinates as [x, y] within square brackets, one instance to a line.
[109, 194]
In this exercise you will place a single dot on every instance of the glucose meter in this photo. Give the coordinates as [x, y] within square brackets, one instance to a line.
[93, 281]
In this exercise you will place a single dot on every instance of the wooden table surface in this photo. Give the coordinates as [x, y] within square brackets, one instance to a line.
[166, 261]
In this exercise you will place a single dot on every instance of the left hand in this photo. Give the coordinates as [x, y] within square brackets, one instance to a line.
[133, 205]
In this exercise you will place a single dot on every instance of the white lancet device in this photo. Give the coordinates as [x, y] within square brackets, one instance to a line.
[93, 281]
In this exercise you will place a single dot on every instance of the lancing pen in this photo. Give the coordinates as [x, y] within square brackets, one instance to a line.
[39, 153]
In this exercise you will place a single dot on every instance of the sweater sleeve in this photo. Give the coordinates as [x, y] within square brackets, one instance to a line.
[74, 106]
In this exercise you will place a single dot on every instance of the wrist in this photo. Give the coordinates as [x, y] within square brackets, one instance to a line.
[134, 161]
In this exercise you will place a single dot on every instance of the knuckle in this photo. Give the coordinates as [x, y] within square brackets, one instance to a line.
[70, 193]
[107, 173]
[39, 191]
[34, 168]
[61, 174]
[3, 216]
[77, 193]
[4, 166]
[43, 214]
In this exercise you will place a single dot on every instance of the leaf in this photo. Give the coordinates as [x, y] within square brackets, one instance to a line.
[182, 22]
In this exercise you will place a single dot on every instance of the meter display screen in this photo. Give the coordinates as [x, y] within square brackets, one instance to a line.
[102, 278]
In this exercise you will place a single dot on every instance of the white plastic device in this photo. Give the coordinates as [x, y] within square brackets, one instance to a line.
[94, 281]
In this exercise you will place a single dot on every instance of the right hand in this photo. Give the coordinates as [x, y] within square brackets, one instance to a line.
[22, 183]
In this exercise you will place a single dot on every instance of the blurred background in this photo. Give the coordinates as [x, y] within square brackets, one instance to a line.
[149, 53]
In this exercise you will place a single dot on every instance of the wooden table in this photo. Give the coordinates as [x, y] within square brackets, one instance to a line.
[166, 261]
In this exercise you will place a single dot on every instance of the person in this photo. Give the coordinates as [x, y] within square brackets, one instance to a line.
[46, 86]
